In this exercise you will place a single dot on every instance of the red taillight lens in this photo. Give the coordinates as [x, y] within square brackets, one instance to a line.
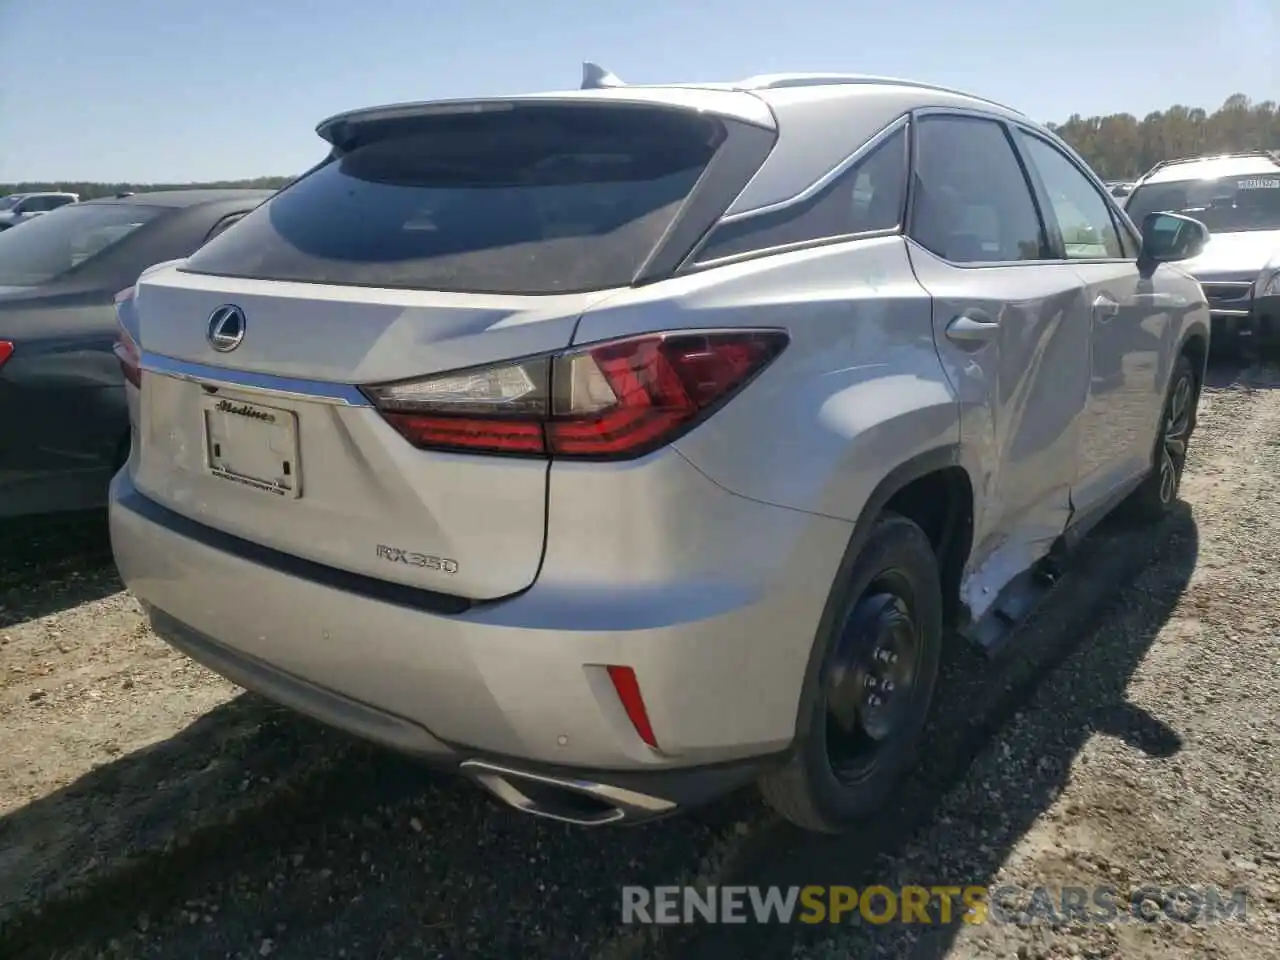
[125, 348]
[6, 351]
[611, 400]
[628, 690]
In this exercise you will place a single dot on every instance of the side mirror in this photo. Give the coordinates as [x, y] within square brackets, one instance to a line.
[1169, 237]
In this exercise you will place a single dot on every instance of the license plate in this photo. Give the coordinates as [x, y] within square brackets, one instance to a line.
[252, 445]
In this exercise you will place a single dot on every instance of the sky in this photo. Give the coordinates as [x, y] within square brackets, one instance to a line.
[152, 91]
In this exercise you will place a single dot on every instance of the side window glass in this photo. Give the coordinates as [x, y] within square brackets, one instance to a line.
[972, 202]
[866, 198]
[1084, 218]
[222, 225]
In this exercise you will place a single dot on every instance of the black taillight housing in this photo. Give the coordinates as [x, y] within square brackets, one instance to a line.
[612, 400]
[126, 347]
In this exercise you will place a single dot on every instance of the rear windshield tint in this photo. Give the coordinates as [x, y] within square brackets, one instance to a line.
[533, 200]
[45, 248]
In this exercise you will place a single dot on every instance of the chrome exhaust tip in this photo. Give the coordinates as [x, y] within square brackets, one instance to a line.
[580, 802]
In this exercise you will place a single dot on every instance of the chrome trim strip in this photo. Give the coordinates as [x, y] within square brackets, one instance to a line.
[792, 248]
[823, 181]
[626, 804]
[314, 391]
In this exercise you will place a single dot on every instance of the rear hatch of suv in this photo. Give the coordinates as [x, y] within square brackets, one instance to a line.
[426, 244]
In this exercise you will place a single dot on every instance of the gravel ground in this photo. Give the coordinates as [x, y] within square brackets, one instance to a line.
[149, 809]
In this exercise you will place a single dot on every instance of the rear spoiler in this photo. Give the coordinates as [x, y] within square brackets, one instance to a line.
[335, 130]
[340, 130]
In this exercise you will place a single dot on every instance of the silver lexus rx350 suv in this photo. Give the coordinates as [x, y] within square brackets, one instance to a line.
[621, 446]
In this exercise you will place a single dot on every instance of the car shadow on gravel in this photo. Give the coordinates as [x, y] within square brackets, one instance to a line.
[1091, 642]
[1228, 372]
[52, 563]
[284, 830]
[255, 832]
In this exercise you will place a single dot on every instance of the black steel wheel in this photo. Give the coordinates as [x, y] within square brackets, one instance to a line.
[881, 645]
[871, 679]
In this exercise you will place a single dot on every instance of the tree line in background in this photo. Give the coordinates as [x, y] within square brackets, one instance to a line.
[1118, 147]
[95, 191]
[1122, 147]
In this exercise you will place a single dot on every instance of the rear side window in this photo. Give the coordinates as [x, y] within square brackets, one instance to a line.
[43, 204]
[972, 202]
[867, 198]
[535, 200]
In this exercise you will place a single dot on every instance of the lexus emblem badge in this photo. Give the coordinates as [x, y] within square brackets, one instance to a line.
[226, 328]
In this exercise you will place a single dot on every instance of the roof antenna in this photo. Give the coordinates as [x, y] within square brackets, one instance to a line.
[596, 77]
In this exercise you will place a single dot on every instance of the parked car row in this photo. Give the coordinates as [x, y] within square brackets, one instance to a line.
[619, 446]
[62, 396]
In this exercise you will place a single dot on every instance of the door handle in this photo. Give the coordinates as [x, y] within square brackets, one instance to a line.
[1104, 308]
[973, 327]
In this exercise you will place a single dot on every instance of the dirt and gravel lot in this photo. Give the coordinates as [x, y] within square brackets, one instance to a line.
[150, 809]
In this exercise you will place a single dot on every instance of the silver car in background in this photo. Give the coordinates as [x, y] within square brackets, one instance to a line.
[617, 447]
[18, 208]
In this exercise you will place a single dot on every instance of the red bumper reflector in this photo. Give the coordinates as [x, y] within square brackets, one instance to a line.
[628, 687]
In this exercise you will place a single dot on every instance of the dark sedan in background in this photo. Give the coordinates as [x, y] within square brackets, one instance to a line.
[64, 426]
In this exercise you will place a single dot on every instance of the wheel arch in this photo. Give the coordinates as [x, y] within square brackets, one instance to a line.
[906, 488]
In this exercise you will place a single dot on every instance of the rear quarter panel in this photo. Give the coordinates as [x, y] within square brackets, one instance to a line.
[859, 390]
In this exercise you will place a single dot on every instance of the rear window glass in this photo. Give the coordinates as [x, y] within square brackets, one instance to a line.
[527, 201]
[46, 247]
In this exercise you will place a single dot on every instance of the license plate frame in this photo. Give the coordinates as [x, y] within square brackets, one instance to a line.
[253, 445]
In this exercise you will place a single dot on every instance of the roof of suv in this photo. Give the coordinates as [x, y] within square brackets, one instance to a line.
[805, 104]
[1210, 168]
[748, 100]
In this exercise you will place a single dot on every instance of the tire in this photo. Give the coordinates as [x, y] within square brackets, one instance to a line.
[891, 599]
[1158, 493]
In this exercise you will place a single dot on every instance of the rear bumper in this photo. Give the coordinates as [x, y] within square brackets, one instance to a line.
[538, 788]
[520, 684]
